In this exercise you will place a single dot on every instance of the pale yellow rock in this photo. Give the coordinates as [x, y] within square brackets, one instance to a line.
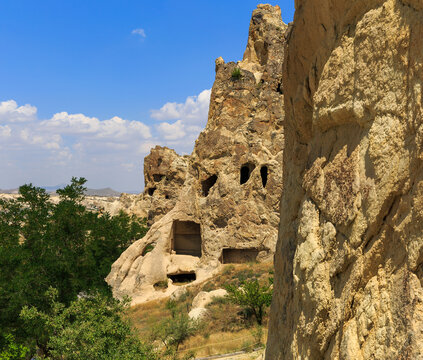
[198, 313]
[228, 207]
[204, 298]
[349, 259]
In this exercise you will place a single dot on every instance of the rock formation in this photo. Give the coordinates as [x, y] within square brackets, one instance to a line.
[349, 259]
[228, 207]
[164, 176]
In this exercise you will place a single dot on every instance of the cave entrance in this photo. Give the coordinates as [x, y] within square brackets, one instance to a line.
[208, 184]
[263, 172]
[238, 256]
[158, 177]
[151, 191]
[245, 172]
[182, 278]
[186, 238]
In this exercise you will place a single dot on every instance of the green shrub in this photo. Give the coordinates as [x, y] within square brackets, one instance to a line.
[10, 350]
[162, 284]
[219, 300]
[171, 332]
[244, 275]
[252, 297]
[93, 327]
[236, 73]
[228, 269]
[148, 249]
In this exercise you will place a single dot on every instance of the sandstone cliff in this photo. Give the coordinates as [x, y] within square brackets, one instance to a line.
[164, 176]
[349, 273]
[228, 207]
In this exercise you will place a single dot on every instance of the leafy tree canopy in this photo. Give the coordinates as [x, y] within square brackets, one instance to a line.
[93, 327]
[63, 245]
[252, 296]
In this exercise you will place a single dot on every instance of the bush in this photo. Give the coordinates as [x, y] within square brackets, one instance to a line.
[148, 249]
[10, 350]
[162, 284]
[228, 269]
[90, 328]
[252, 297]
[173, 331]
[236, 73]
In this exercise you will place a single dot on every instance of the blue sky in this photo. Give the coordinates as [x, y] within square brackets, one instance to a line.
[88, 87]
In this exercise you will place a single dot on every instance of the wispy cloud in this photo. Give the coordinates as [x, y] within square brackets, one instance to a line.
[140, 32]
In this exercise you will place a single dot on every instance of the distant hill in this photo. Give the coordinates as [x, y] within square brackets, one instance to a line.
[102, 192]
[9, 191]
[107, 192]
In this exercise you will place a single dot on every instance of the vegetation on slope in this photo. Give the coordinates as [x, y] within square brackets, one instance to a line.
[228, 326]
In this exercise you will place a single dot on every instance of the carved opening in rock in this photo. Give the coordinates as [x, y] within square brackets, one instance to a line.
[151, 191]
[263, 173]
[279, 89]
[167, 196]
[182, 278]
[208, 184]
[186, 239]
[158, 177]
[246, 171]
[238, 256]
[159, 162]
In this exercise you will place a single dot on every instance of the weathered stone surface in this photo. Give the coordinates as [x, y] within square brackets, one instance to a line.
[349, 259]
[204, 298]
[164, 176]
[198, 313]
[230, 197]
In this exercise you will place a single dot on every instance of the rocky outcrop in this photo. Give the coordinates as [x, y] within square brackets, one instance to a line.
[349, 259]
[164, 175]
[201, 300]
[228, 207]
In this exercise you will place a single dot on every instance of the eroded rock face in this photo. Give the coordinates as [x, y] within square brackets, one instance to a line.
[348, 265]
[164, 175]
[228, 207]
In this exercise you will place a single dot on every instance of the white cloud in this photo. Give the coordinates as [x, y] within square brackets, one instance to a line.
[173, 131]
[193, 111]
[78, 124]
[140, 32]
[190, 118]
[108, 152]
[11, 113]
[66, 145]
[5, 131]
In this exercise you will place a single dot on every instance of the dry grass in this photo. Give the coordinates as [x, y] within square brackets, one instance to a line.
[225, 329]
[221, 343]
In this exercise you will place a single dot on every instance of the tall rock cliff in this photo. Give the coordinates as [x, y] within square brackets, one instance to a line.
[228, 207]
[349, 259]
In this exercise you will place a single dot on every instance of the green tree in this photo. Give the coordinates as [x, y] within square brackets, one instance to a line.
[252, 296]
[93, 327]
[62, 245]
[173, 331]
[10, 350]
